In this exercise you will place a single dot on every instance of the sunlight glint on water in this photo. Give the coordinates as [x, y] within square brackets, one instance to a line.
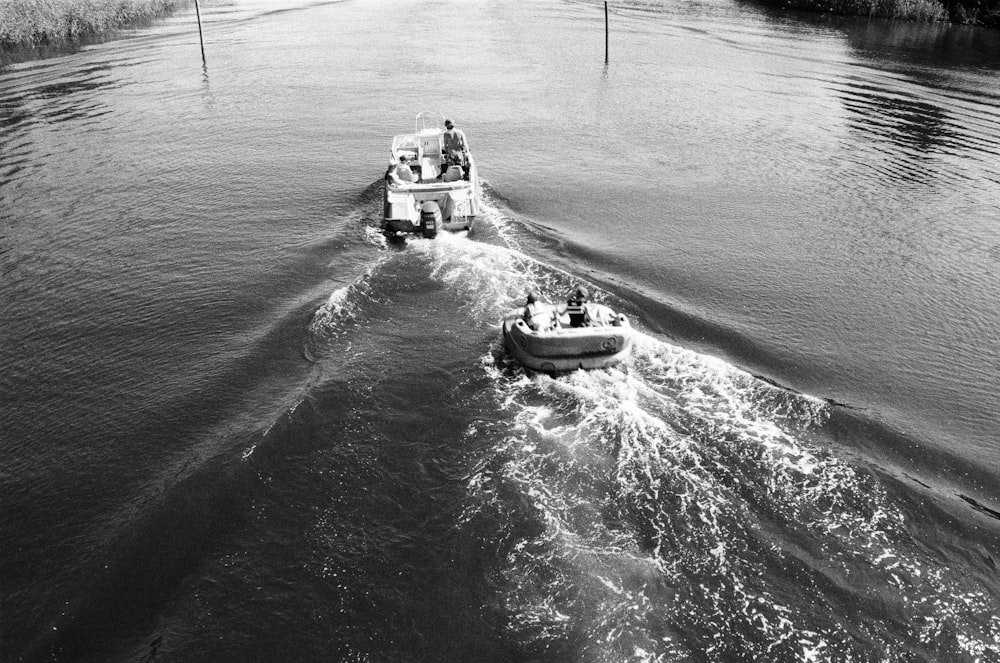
[242, 424]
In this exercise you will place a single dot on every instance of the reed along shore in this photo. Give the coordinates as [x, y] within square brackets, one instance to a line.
[27, 23]
[984, 13]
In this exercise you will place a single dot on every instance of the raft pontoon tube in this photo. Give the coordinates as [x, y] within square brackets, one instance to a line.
[563, 348]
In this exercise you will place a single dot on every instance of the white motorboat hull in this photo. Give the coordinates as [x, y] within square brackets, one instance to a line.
[458, 201]
[454, 189]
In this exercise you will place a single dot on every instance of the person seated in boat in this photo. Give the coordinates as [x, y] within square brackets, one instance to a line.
[400, 173]
[537, 314]
[576, 307]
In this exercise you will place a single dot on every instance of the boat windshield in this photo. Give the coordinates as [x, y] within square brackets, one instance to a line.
[407, 144]
[428, 122]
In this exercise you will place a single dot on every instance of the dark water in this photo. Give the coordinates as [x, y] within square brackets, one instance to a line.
[238, 424]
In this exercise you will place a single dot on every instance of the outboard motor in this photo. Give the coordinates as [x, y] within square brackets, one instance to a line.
[430, 218]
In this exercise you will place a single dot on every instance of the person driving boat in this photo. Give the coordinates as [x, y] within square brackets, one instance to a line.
[456, 147]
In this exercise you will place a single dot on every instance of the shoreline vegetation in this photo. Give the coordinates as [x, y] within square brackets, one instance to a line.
[26, 24]
[38, 23]
[984, 13]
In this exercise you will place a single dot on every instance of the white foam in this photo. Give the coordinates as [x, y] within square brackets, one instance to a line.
[678, 442]
[340, 306]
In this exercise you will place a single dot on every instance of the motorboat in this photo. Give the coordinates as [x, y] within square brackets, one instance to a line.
[542, 338]
[443, 191]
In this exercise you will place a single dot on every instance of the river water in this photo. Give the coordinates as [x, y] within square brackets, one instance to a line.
[239, 424]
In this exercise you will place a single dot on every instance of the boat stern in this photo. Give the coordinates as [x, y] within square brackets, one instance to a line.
[567, 349]
[403, 206]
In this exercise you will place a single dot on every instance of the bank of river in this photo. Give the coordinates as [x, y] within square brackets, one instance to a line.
[30, 23]
[984, 13]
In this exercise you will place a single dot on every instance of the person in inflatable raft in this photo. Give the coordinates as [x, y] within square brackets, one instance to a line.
[578, 311]
[576, 307]
[538, 315]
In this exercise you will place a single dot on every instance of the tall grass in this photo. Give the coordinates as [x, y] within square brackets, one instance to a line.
[908, 10]
[36, 22]
[926, 11]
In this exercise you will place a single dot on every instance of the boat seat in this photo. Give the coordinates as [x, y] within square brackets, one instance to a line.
[453, 174]
[405, 174]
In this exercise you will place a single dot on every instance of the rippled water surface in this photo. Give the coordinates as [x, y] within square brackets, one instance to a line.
[240, 424]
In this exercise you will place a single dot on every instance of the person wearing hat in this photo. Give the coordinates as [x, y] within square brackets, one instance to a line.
[576, 306]
[456, 147]
[400, 174]
[454, 139]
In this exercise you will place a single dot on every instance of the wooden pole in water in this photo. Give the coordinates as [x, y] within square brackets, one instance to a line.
[605, 31]
[201, 39]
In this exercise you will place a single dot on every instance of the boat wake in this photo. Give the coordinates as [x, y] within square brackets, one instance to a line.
[676, 507]
[679, 508]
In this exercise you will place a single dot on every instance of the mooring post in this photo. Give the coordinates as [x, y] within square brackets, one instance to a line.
[605, 31]
[201, 39]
